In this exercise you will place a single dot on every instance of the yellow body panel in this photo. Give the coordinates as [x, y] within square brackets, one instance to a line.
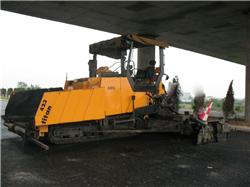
[110, 96]
[71, 106]
[162, 88]
[141, 99]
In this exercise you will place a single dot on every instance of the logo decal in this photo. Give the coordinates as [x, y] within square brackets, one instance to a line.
[44, 102]
[46, 115]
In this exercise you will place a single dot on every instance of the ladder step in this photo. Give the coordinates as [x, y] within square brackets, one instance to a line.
[123, 121]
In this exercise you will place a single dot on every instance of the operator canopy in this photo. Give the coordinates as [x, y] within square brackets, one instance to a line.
[113, 48]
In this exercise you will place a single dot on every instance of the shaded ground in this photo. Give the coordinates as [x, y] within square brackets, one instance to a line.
[143, 160]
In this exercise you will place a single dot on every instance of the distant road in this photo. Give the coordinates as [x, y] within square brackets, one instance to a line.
[3, 104]
[5, 134]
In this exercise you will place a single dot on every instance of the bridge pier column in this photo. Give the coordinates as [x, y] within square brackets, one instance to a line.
[247, 95]
[145, 54]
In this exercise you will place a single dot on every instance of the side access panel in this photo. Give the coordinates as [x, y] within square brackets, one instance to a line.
[22, 106]
[118, 96]
[141, 99]
[70, 106]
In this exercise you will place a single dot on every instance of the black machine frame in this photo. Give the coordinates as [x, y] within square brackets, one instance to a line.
[151, 88]
[117, 48]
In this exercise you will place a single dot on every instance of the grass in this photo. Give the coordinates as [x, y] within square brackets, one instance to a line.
[239, 107]
[186, 106]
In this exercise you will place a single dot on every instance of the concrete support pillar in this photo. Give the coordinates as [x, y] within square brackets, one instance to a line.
[145, 54]
[247, 96]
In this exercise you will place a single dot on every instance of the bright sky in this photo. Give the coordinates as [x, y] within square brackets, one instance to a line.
[39, 51]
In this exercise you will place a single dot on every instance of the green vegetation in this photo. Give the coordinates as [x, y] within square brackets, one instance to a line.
[217, 104]
[21, 86]
[239, 105]
[186, 105]
[228, 103]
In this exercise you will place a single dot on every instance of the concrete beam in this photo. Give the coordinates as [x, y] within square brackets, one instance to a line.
[187, 25]
[247, 96]
[145, 54]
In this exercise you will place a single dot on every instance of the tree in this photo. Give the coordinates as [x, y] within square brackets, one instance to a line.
[217, 103]
[3, 92]
[228, 104]
[21, 86]
[9, 91]
[33, 87]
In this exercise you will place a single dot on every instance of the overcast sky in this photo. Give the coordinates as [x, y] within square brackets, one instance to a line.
[41, 52]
